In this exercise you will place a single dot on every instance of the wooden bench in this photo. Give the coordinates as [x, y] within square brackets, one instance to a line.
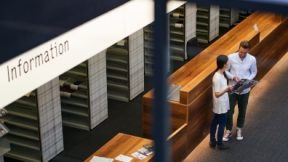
[194, 110]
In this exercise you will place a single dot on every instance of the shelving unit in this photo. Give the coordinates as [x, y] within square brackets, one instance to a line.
[228, 17]
[225, 20]
[177, 39]
[23, 123]
[35, 125]
[75, 97]
[117, 57]
[148, 49]
[4, 148]
[202, 25]
[240, 16]
[207, 24]
[177, 34]
[243, 14]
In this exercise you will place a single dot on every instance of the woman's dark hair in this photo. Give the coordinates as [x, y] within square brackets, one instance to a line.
[221, 61]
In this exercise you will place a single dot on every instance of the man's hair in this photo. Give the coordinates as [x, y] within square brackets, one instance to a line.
[244, 44]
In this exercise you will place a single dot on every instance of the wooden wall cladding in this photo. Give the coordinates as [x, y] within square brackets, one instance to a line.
[195, 77]
[271, 49]
[178, 114]
[179, 141]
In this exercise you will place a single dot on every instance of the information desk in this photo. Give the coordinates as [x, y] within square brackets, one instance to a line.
[122, 144]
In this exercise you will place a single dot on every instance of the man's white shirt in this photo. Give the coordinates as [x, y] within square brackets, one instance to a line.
[243, 69]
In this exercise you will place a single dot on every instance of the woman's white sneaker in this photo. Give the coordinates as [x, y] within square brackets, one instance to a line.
[227, 136]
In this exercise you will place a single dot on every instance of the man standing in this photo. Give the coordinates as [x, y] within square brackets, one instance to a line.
[241, 65]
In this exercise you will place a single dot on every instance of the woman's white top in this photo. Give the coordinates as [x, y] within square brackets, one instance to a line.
[220, 104]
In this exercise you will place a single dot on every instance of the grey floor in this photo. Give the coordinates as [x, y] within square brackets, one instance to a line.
[265, 133]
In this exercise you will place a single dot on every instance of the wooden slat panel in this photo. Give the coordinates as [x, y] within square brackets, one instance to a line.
[197, 85]
[178, 141]
[199, 118]
[178, 116]
[147, 117]
[271, 49]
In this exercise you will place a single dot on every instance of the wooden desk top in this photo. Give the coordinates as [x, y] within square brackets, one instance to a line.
[122, 144]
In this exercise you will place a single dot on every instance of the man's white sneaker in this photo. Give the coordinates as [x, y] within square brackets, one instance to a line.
[227, 136]
[239, 136]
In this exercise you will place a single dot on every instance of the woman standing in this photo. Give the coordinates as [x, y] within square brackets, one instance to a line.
[220, 103]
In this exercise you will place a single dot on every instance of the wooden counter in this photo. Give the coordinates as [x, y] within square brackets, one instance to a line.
[122, 144]
[227, 44]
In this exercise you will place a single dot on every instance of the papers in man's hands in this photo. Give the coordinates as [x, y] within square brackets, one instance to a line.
[243, 84]
[100, 159]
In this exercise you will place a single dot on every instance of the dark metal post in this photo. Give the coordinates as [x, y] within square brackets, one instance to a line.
[161, 110]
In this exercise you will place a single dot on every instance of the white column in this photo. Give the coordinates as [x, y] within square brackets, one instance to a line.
[98, 89]
[136, 63]
[214, 22]
[50, 120]
[234, 16]
[190, 23]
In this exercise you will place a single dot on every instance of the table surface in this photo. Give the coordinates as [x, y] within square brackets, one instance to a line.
[122, 144]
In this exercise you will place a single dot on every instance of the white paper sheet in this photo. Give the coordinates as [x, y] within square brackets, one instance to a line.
[100, 159]
[123, 158]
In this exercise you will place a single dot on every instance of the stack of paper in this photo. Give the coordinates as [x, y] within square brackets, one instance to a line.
[123, 158]
[100, 159]
[143, 152]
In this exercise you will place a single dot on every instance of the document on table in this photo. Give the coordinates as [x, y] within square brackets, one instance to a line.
[100, 159]
[123, 158]
[138, 155]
